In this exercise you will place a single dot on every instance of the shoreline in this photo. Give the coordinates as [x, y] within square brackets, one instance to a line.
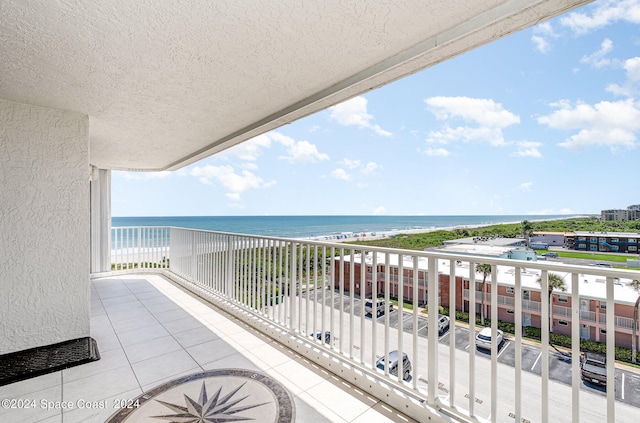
[373, 236]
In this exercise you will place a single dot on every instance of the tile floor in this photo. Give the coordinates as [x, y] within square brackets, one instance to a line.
[150, 331]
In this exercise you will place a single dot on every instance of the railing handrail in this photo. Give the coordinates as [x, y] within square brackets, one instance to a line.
[263, 276]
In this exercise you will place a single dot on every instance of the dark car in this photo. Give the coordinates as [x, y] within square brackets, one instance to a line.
[393, 364]
[550, 255]
[320, 335]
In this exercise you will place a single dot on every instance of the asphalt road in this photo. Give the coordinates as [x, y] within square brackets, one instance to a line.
[627, 382]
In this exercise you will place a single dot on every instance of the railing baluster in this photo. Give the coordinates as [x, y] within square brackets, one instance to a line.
[575, 348]
[494, 344]
[611, 353]
[472, 339]
[341, 312]
[452, 331]
[518, 344]
[352, 295]
[545, 325]
[432, 331]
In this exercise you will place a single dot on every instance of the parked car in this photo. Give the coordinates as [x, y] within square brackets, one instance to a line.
[443, 323]
[320, 336]
[381, 307]
[593, 368]
[483, 339]
[393, 364]
[550, 255]
[606, 265]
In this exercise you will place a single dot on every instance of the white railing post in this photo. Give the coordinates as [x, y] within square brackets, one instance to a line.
[611, 352]
[545, 326]
[432, 333]
[575, 348]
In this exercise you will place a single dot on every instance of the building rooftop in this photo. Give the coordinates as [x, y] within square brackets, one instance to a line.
[608, 234]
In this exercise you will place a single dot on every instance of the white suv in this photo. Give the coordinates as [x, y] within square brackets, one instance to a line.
[443, 323]
[381, 307]
[483, 338]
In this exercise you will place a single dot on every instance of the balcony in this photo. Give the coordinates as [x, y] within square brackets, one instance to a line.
[180, 301]
[151, 331]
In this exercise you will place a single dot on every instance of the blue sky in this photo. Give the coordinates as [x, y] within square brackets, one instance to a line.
[544, 121]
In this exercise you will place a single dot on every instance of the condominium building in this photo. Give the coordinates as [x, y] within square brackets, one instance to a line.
[592, 293]
[620, 242]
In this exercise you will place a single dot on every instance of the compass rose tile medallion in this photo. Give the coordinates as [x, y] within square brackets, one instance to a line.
[215, 396]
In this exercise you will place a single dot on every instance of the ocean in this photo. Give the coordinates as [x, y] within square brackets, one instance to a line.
[323, 226]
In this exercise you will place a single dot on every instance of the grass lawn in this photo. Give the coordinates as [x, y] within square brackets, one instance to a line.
[594, 256]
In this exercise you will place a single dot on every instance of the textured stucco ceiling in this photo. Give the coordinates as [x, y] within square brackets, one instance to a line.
[166, 83]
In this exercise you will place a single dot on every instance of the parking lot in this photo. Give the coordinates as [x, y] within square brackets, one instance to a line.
[627, 382]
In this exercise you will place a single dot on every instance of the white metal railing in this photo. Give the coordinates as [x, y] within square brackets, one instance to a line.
[301, 288]
[139, 247]
[561, 311]
[620, 321]
[589, 316]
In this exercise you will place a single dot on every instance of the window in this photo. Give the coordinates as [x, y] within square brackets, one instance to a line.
[632, 240]
[603, 305]
[563, 298]
[603, 331]
[593, 247]
[563, 323]
[582, 246]
[510, 290]
[633, 248]
[593, 239]
[614, 240]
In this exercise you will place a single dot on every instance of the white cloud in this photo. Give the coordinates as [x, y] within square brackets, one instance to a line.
[604, 12]
[341, 174]
[353, 112]
[297, 151]
[606, 124]
[528, 149]
[436, 152]
[233, 182]
[303, 151]
[629, 88]
[485, 118]
[251, 149]
[566, 211]
[371, 167]
[598, 59]
[379, 210]
[541, 35]
[351, 164]
[483, 111]
[525, 186]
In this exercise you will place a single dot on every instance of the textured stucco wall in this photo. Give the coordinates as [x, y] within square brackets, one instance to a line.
[44, 226]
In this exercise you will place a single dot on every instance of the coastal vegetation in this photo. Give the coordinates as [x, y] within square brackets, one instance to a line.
[436, 238]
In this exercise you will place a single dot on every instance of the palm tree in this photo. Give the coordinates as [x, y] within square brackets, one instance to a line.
[527, 228]
[555, 282]
[485, 269]
[635, 285]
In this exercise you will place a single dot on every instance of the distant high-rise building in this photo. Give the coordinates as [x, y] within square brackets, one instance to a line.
[614, 215]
